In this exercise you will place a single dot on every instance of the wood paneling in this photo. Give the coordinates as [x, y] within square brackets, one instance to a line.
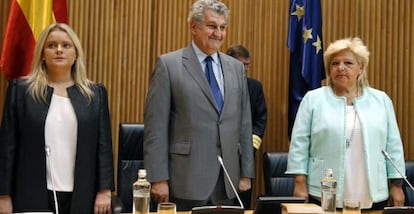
[122, 39]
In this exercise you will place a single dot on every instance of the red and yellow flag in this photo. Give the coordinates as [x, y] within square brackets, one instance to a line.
[26, 21]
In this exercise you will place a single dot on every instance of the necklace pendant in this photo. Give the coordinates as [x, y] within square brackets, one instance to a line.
[348, 143]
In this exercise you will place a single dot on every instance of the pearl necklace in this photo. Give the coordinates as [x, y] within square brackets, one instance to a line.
[351, 136]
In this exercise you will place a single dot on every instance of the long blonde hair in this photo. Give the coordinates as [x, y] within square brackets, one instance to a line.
[38, 78]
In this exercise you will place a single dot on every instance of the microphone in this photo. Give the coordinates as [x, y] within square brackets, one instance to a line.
[396, 168]
[48, 151]
[231, 183]
[221, 209]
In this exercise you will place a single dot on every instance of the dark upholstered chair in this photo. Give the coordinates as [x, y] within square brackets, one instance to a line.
[409, 193]
[277, 183]
[130, 160]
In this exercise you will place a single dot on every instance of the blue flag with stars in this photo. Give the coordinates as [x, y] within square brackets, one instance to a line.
[306, 52]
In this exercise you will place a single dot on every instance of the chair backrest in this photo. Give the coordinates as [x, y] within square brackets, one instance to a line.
[277, 183]
[130, 160]
[408, 192]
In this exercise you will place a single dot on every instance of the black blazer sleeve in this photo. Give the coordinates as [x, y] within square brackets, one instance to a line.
[8, 140]
[105, 157]
[258, 107]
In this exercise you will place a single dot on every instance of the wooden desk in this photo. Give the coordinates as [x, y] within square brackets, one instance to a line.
[337, 212]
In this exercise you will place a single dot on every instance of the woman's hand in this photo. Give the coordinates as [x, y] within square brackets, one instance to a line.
[397, 196]
[6, 206]
[103, 202]
[301, 189]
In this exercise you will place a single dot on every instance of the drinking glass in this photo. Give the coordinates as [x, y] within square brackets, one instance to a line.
[166, 208]
[351, 206]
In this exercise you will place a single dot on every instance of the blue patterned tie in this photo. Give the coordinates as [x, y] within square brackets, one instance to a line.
[213, 83]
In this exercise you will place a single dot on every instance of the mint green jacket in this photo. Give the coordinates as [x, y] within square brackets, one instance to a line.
[319, 136]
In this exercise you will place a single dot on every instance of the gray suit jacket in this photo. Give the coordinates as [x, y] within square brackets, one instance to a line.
[184, 132]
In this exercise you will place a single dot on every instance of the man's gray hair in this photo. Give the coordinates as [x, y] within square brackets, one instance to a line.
[200, 6]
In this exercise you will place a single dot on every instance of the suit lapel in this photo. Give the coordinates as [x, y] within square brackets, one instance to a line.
[227, 76]
[190, 62]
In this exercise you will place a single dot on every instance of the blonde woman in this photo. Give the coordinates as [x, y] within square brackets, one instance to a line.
[55, 134]
[345, 126]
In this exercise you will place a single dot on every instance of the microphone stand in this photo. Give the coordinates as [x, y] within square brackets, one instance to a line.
[396, 168]
[231, 183]
[48, 151]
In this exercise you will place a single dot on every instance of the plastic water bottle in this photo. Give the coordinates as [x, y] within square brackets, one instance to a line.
[141, 192]
[328, 197]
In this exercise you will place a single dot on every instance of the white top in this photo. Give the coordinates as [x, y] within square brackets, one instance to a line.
[61, 137]
[356, 179]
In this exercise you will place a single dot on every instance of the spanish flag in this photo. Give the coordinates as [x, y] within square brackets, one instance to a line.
[26, 21]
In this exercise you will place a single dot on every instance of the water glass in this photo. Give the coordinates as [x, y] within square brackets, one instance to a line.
[351, 206]
[166, 208]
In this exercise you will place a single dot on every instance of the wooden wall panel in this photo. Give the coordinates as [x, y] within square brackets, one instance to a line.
[407, 123]
[170, 30]
[116, 36]
[122, 39]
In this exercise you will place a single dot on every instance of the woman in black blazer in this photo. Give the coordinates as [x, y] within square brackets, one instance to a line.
[56, 133]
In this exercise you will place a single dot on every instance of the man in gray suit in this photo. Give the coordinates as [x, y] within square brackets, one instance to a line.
[187, 124]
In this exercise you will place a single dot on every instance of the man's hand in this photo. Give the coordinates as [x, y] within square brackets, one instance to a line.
[159, 191]
[245, 184]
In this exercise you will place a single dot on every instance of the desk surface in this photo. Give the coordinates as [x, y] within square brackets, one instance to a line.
[337, 212]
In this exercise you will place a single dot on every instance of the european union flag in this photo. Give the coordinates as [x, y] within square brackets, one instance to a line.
[306, 52]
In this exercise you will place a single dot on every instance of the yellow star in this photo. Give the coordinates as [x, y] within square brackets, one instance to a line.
[307, 34]
[317, 44]
[298, 12]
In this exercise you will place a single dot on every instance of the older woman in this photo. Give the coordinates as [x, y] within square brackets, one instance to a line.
[55, 137]
[345, 126]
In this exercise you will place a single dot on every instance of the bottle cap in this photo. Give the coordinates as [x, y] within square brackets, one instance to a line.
[328, 171]
[142, 173]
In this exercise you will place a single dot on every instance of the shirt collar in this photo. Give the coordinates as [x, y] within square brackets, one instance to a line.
[201, 56]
